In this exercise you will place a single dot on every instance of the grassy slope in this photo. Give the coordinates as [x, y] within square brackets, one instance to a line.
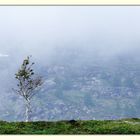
[125, 126]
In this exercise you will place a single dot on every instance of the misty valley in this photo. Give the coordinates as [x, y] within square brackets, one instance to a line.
[69, 70]
[78, 86]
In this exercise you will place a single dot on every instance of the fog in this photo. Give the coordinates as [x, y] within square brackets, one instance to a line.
[39, 30]
[47, 32]
[66, 34]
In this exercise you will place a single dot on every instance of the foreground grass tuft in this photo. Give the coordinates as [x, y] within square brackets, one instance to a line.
[124, 126]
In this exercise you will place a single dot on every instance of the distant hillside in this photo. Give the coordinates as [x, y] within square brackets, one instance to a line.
[125, 126]
[80, 86]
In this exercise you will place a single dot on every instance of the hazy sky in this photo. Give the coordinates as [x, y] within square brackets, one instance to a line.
[44, 31]
[38, 28]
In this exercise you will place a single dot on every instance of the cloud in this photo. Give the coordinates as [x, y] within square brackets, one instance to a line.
[4, 55]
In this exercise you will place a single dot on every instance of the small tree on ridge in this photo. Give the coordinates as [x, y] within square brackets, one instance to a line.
[27, 85]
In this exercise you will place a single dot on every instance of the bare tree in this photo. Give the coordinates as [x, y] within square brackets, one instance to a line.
[28, 85]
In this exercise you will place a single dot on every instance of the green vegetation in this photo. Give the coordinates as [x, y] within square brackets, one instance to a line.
[124, 126]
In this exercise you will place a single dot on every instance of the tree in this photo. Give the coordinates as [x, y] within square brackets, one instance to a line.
[28, 85]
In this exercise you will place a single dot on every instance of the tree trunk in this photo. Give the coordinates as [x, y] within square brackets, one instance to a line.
[28, 111]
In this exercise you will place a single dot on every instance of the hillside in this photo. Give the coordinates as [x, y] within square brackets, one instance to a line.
[125, 126]
[82, 88]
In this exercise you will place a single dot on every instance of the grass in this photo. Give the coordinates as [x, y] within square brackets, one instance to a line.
[124, 126]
